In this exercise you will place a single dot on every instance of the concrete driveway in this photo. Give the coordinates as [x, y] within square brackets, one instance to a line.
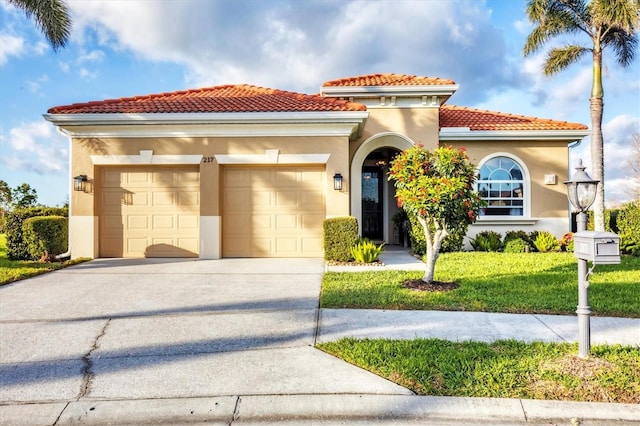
[132, 329]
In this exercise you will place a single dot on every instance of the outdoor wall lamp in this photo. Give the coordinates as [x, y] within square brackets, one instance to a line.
[581, 191]
[337, 182]
[80, 182]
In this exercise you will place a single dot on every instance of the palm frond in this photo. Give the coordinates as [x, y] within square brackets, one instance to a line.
[52, 16]
[553, 18]
[622, 14]
[561, 58]
[624, 46]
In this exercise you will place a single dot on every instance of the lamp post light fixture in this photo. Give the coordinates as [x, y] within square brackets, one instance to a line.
[79, 182]
[337, 182]
[581, 191]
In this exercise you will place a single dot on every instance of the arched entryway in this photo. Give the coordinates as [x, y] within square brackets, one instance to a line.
[372, 195]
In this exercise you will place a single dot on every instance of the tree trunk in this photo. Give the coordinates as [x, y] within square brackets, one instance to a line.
[432, 244]
[597, 143]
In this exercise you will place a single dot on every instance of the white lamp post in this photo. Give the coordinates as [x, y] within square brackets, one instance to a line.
[581, 190]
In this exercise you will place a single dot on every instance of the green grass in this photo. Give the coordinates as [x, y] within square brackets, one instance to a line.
[503, 369]
[14, 270]
[493, 282]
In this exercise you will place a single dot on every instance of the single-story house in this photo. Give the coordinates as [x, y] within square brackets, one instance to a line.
[245, 171]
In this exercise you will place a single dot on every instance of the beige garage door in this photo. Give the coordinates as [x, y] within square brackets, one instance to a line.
[272, 211]
[149, 212]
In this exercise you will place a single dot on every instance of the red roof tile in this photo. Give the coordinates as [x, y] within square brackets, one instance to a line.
[475, 119]
[387, 80]
[229, 98]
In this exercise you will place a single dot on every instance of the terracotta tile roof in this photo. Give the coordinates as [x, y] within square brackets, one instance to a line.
[387, 80]
[475, 119]
[229, 98]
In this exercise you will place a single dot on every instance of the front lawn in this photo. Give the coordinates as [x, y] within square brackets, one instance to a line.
[493, 282]
[14, 270]
[503, 369]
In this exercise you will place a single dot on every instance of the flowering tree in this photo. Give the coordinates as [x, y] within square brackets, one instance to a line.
[438, 189]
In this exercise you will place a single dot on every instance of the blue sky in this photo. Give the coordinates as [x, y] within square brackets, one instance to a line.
[122, 48]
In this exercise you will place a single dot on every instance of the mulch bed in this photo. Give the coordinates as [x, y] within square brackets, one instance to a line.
[433, 286]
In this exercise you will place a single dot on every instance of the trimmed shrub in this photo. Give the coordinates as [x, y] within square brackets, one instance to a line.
[17, 248]
[487, 241]
[366, 251]
[339, 235]
[516, 245]
[515, 235]
[533, 235]
[629, 228]
[45, 236]
[546, 242]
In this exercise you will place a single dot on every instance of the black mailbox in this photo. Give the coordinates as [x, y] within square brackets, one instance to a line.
[601, 248]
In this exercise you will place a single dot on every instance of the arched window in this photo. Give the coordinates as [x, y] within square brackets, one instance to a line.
[501, 184]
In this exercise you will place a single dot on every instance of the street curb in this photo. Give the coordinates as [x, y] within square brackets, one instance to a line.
[325, 409]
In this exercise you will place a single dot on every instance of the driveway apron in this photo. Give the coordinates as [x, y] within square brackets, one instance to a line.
[163, 328]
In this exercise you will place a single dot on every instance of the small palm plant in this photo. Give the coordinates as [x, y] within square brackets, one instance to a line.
[366, 251]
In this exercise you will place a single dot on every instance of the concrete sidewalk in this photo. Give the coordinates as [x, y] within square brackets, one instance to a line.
[231, 341]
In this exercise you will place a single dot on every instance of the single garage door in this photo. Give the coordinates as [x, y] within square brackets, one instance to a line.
[272, 211]
[149, 212]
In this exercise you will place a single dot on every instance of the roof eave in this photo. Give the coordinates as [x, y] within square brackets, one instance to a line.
[311, 123]
[374, 91]
[456, 134]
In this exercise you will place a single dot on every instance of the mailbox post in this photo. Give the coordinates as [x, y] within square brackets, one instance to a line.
[581, 191]
[601, 248]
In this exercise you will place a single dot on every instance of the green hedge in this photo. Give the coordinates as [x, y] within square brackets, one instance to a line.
[17, 248]
[629, 228]
[45, 236]
[340, 234]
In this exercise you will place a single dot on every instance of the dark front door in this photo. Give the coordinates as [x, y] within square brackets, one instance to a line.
[372, 178]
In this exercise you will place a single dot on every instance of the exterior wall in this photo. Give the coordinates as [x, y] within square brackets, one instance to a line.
[86, 209]
[548, 205]
[418, 124]
[540, 159]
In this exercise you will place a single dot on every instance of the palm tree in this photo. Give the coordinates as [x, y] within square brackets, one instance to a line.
[52, 16]
[607, 23]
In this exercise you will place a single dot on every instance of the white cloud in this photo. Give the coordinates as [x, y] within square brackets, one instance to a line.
[93, 56]
[35, 147]
[10, 45]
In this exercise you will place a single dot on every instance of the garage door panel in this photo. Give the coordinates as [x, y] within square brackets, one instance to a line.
[188, 222]
[287, 222]
[188, 199]
[312, 222]
[262, 222]
[149, 212]
[286, 206]
[163, 223]
[287, 199]
[138, 222]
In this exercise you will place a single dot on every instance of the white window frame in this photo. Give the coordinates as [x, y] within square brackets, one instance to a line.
[526, 198]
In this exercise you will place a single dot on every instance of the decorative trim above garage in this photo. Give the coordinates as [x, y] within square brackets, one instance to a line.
[145, 157]
[272, 156]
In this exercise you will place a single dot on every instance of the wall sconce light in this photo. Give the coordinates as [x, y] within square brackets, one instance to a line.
[337, 182]
[79, 183]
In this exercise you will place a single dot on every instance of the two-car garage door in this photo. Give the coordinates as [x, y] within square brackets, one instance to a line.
[266, 211]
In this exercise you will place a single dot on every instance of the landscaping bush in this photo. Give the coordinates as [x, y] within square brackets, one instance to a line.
[17, 248]
[546, 242]
[487, 241]
[365, 251]
[629, 228]
[340, 234]
[516, 245]
[518, 235]
[566, 242]
[45, 236]
[533, 235]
